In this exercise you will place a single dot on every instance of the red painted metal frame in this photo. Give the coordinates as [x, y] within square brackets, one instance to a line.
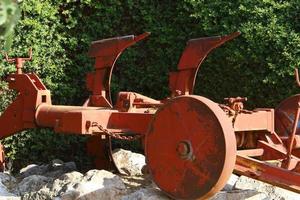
[268, 173]
[255, 131]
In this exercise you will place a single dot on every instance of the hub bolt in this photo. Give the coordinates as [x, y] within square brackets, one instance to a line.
[184, 149]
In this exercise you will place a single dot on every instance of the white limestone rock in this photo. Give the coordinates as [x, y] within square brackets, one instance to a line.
[240, 195]
[6, 195]
[230, 183]
[128, 162]
[31, 183]
[271, 191]
[146, 194]
[100, 184]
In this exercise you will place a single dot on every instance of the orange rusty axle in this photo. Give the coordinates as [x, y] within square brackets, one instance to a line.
[192, 144]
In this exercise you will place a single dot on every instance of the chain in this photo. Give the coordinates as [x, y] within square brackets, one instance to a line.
[116, 135]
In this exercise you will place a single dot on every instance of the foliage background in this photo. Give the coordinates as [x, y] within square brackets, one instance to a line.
[258, 64]
[9, 15]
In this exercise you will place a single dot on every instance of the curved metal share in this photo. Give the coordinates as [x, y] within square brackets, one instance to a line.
[106, 52]
[182, 82]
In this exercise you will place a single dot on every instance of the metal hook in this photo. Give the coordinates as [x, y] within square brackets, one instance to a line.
[19, 62]
[10, 60]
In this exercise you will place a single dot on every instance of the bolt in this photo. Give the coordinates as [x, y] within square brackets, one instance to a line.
[88, 125]
[178, 93]
[183, 148]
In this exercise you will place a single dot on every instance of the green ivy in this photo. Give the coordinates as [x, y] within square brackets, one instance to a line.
[9, 15]
[259, 64]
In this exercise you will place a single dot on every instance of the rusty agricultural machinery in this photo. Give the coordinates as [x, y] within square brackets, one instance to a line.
[192, 144]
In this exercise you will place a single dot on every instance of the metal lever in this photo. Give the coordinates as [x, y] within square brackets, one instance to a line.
[232, 100]
[236, 103]
[19, 61]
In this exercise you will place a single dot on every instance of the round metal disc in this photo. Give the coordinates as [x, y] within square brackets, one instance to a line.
[285, 116]
[190, 148]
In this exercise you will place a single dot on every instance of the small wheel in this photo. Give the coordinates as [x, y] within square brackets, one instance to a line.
[190, 148]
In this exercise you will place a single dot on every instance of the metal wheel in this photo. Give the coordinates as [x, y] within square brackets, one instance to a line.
[285, 116]
[190, 148]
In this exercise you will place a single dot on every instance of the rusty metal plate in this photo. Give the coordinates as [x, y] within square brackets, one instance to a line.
[190, 148]
[101, 151]
[285, 116]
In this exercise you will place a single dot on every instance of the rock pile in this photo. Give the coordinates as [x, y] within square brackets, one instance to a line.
[61, 181]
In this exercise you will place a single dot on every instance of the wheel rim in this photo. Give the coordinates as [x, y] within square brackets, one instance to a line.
[285, 116]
